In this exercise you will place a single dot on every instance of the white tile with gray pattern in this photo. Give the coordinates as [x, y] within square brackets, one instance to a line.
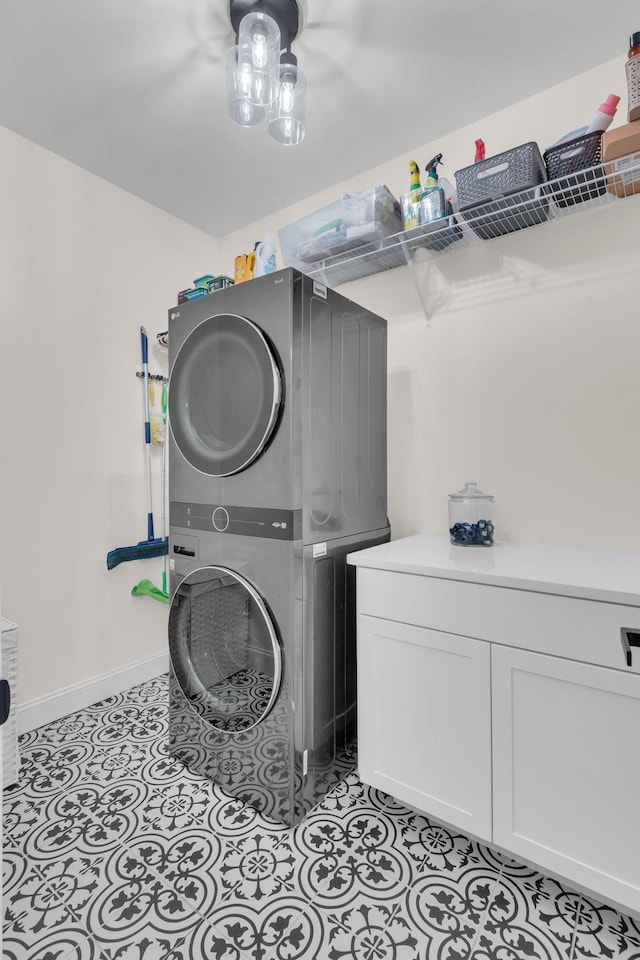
[113, 851]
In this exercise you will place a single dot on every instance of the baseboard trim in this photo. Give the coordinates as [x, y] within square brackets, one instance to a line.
[36, 713]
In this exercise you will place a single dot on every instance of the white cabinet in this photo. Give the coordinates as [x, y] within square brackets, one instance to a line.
[424, 714]
[566, 769]
[495, 693]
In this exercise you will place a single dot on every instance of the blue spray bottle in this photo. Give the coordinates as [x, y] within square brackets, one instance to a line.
[432, 204]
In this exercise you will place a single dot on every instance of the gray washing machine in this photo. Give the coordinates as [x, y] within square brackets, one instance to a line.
[277, 470]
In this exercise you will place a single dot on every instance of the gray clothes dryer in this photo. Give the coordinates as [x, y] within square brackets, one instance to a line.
[277, 469]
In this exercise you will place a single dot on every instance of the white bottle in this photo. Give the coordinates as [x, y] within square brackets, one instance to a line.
[265, 257]
[602, 118]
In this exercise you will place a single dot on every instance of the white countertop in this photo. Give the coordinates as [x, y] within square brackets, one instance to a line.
[612, 576]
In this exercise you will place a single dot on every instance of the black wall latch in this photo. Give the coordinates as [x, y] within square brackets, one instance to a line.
[630, 638]
[5, 701]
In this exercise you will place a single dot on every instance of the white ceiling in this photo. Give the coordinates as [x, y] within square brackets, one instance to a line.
[134, 90]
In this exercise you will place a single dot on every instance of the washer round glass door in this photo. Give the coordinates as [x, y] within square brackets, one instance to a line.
[224, 648]
[224, 394]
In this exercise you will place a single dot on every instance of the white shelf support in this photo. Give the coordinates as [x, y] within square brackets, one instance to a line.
[416, 282]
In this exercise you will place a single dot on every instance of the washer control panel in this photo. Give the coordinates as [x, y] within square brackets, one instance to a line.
[243, 521]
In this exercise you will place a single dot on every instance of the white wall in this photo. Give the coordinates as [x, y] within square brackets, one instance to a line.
[82, 266]
[526, 382]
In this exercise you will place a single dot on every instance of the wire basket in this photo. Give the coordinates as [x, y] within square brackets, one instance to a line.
[435, 236]
[501, 194]
[508, 172]
[526, 208]
[575, 165]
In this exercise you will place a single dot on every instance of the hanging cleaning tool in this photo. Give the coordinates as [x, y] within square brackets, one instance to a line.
[146, 588]
[163, 521]
[151, 547]
[156, 422]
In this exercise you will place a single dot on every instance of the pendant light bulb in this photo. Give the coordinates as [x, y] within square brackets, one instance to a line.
[288, 113]
[287, 95]
[239, 86]
[244, 78]
[259, 46]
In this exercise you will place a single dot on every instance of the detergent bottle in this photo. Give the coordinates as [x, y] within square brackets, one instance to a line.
[265, 257]
[250, 270]
[604, 115]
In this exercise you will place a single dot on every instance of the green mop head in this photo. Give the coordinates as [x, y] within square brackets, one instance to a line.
[146, 589]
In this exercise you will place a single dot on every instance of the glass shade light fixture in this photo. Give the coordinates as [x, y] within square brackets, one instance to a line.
[239, 104]
[287, 114]
[259, 81]
[259, 46]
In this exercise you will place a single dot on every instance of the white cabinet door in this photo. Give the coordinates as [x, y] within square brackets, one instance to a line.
[424, 720]
[566, 769]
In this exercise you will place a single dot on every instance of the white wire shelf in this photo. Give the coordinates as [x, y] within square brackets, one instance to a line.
[554, 199]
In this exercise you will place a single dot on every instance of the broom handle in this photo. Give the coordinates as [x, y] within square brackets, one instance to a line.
[147, 427]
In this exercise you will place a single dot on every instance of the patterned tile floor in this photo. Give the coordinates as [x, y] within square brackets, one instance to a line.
[113, 850]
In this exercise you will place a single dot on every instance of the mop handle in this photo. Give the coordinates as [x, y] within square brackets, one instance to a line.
[147, 426]
[163, 525]
[163, 402]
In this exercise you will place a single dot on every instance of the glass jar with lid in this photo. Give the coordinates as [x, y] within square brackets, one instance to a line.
[471, 517]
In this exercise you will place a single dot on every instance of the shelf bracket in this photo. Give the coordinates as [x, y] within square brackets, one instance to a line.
[416, 282]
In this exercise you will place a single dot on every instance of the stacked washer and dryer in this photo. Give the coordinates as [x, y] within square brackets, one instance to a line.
[277, 470]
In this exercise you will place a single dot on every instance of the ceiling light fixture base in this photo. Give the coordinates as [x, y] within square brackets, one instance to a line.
[285, 12]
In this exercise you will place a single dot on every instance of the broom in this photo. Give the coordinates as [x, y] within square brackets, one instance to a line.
[152, 546]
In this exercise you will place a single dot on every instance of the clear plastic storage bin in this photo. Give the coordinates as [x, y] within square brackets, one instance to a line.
[351, 222]
[471, 517]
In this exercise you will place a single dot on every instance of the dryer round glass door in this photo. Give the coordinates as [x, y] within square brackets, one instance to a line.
[224, 395]
[224, 648]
